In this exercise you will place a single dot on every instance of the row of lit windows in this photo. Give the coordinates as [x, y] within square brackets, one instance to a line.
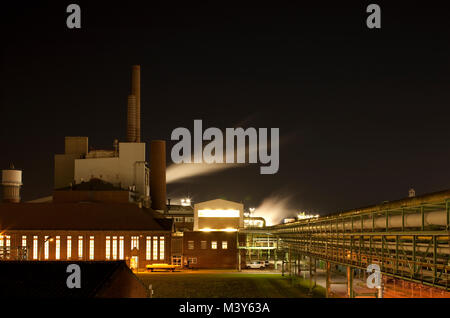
[181, 219]
[153, 251]
[204, 245]
[5, 241]
[114, 247]
[37, 254]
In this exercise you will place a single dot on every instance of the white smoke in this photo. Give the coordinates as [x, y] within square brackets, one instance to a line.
[274, 209]
[177, 172]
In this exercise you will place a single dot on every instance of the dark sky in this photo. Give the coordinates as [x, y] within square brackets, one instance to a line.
[364, 113]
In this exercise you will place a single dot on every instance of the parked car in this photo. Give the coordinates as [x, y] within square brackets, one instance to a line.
[256, 264]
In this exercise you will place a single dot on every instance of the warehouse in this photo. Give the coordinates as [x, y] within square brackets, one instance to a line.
[84, 231]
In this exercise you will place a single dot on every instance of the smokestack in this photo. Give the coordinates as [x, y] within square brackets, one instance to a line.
[131, 120]
[158, 174]
[136, 91]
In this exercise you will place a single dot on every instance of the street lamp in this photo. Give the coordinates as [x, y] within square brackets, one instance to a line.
[49, 238]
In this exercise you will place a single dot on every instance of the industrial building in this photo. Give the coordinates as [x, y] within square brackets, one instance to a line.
[106, 205]
[110, 204]
[125, 165]
[84, 231]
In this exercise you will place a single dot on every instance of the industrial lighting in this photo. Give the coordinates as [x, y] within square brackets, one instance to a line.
[186, 202]
[218, 213]
[304, 216]
[218, 230]
[229, 230]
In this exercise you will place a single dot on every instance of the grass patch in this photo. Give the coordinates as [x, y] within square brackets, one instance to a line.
[223, 285]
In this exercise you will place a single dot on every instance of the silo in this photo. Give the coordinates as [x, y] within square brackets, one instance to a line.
[11, 183]
[136, 91]
[158, 174]
[131, 119]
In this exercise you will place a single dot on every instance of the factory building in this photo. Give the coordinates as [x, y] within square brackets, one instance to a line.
[111, 205]
[124, 167]
[102, 207]
[218, 215]
[214, 243]
[84, 231]
[216, 249]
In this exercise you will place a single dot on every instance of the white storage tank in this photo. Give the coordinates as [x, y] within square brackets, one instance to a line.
[11, 183]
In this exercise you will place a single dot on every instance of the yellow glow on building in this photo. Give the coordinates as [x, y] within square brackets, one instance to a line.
[218, 230]
[208, 213]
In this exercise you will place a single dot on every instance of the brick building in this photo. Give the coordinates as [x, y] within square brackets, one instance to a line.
[212, 249]
[84, 231]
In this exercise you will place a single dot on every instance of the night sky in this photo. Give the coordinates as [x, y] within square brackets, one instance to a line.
[363, 114]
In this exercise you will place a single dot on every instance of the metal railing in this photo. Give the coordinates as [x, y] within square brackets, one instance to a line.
[409, 242]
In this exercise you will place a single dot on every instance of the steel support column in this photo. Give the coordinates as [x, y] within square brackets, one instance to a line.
[350, 292]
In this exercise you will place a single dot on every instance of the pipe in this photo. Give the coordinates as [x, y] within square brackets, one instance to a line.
[435, 218]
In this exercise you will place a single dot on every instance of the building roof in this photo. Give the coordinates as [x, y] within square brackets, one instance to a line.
[42, 279]
[218, 202]
[81, 216]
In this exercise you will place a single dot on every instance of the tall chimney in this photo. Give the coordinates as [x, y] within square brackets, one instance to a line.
[158, 174]
[131, 120]
[136, 91]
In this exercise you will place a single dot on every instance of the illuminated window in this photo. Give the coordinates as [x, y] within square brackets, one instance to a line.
[24, 241]
[203, 245]
[148, 248]
[121, 247]
[80, 247]
[8, 241]
[69, 247]
[161, 247]
[178, 219]
[46, 246]
[58, 248]
[155, 247]
[91, 247]
[35, 247]
[190, 245]
[214, 245]
[192, 260]
[134, 242]
[108, 247]
[189, 219]
[224, 245]
[114, 247]
[1, 241]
